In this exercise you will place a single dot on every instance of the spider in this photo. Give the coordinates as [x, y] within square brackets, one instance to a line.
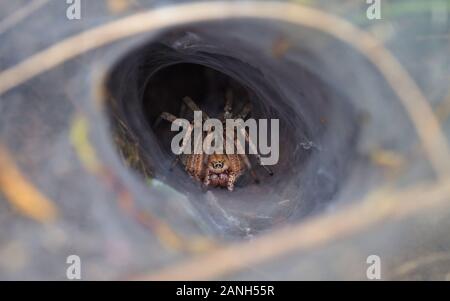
[216, 170]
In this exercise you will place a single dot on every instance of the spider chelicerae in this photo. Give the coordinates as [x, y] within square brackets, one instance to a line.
[216, 170]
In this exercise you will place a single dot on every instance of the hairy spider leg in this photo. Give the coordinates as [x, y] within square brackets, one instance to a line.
[172, 118]
[245, 158]
[227, 115]
[177, 158]
[208, 139]
[244, 112]
[193, 106]
[227, 110]
[255, 150]
[242, 115]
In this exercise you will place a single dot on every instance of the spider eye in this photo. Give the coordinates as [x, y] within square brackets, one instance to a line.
[217, 165]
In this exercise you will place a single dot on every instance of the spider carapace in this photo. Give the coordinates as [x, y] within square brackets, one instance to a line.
[216, 170]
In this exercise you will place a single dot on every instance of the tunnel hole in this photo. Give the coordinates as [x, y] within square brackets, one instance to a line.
[317, 124]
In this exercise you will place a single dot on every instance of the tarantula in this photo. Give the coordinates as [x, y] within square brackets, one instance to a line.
[216, 170]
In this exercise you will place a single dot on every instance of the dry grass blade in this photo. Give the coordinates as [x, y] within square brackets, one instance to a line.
[22, 194]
